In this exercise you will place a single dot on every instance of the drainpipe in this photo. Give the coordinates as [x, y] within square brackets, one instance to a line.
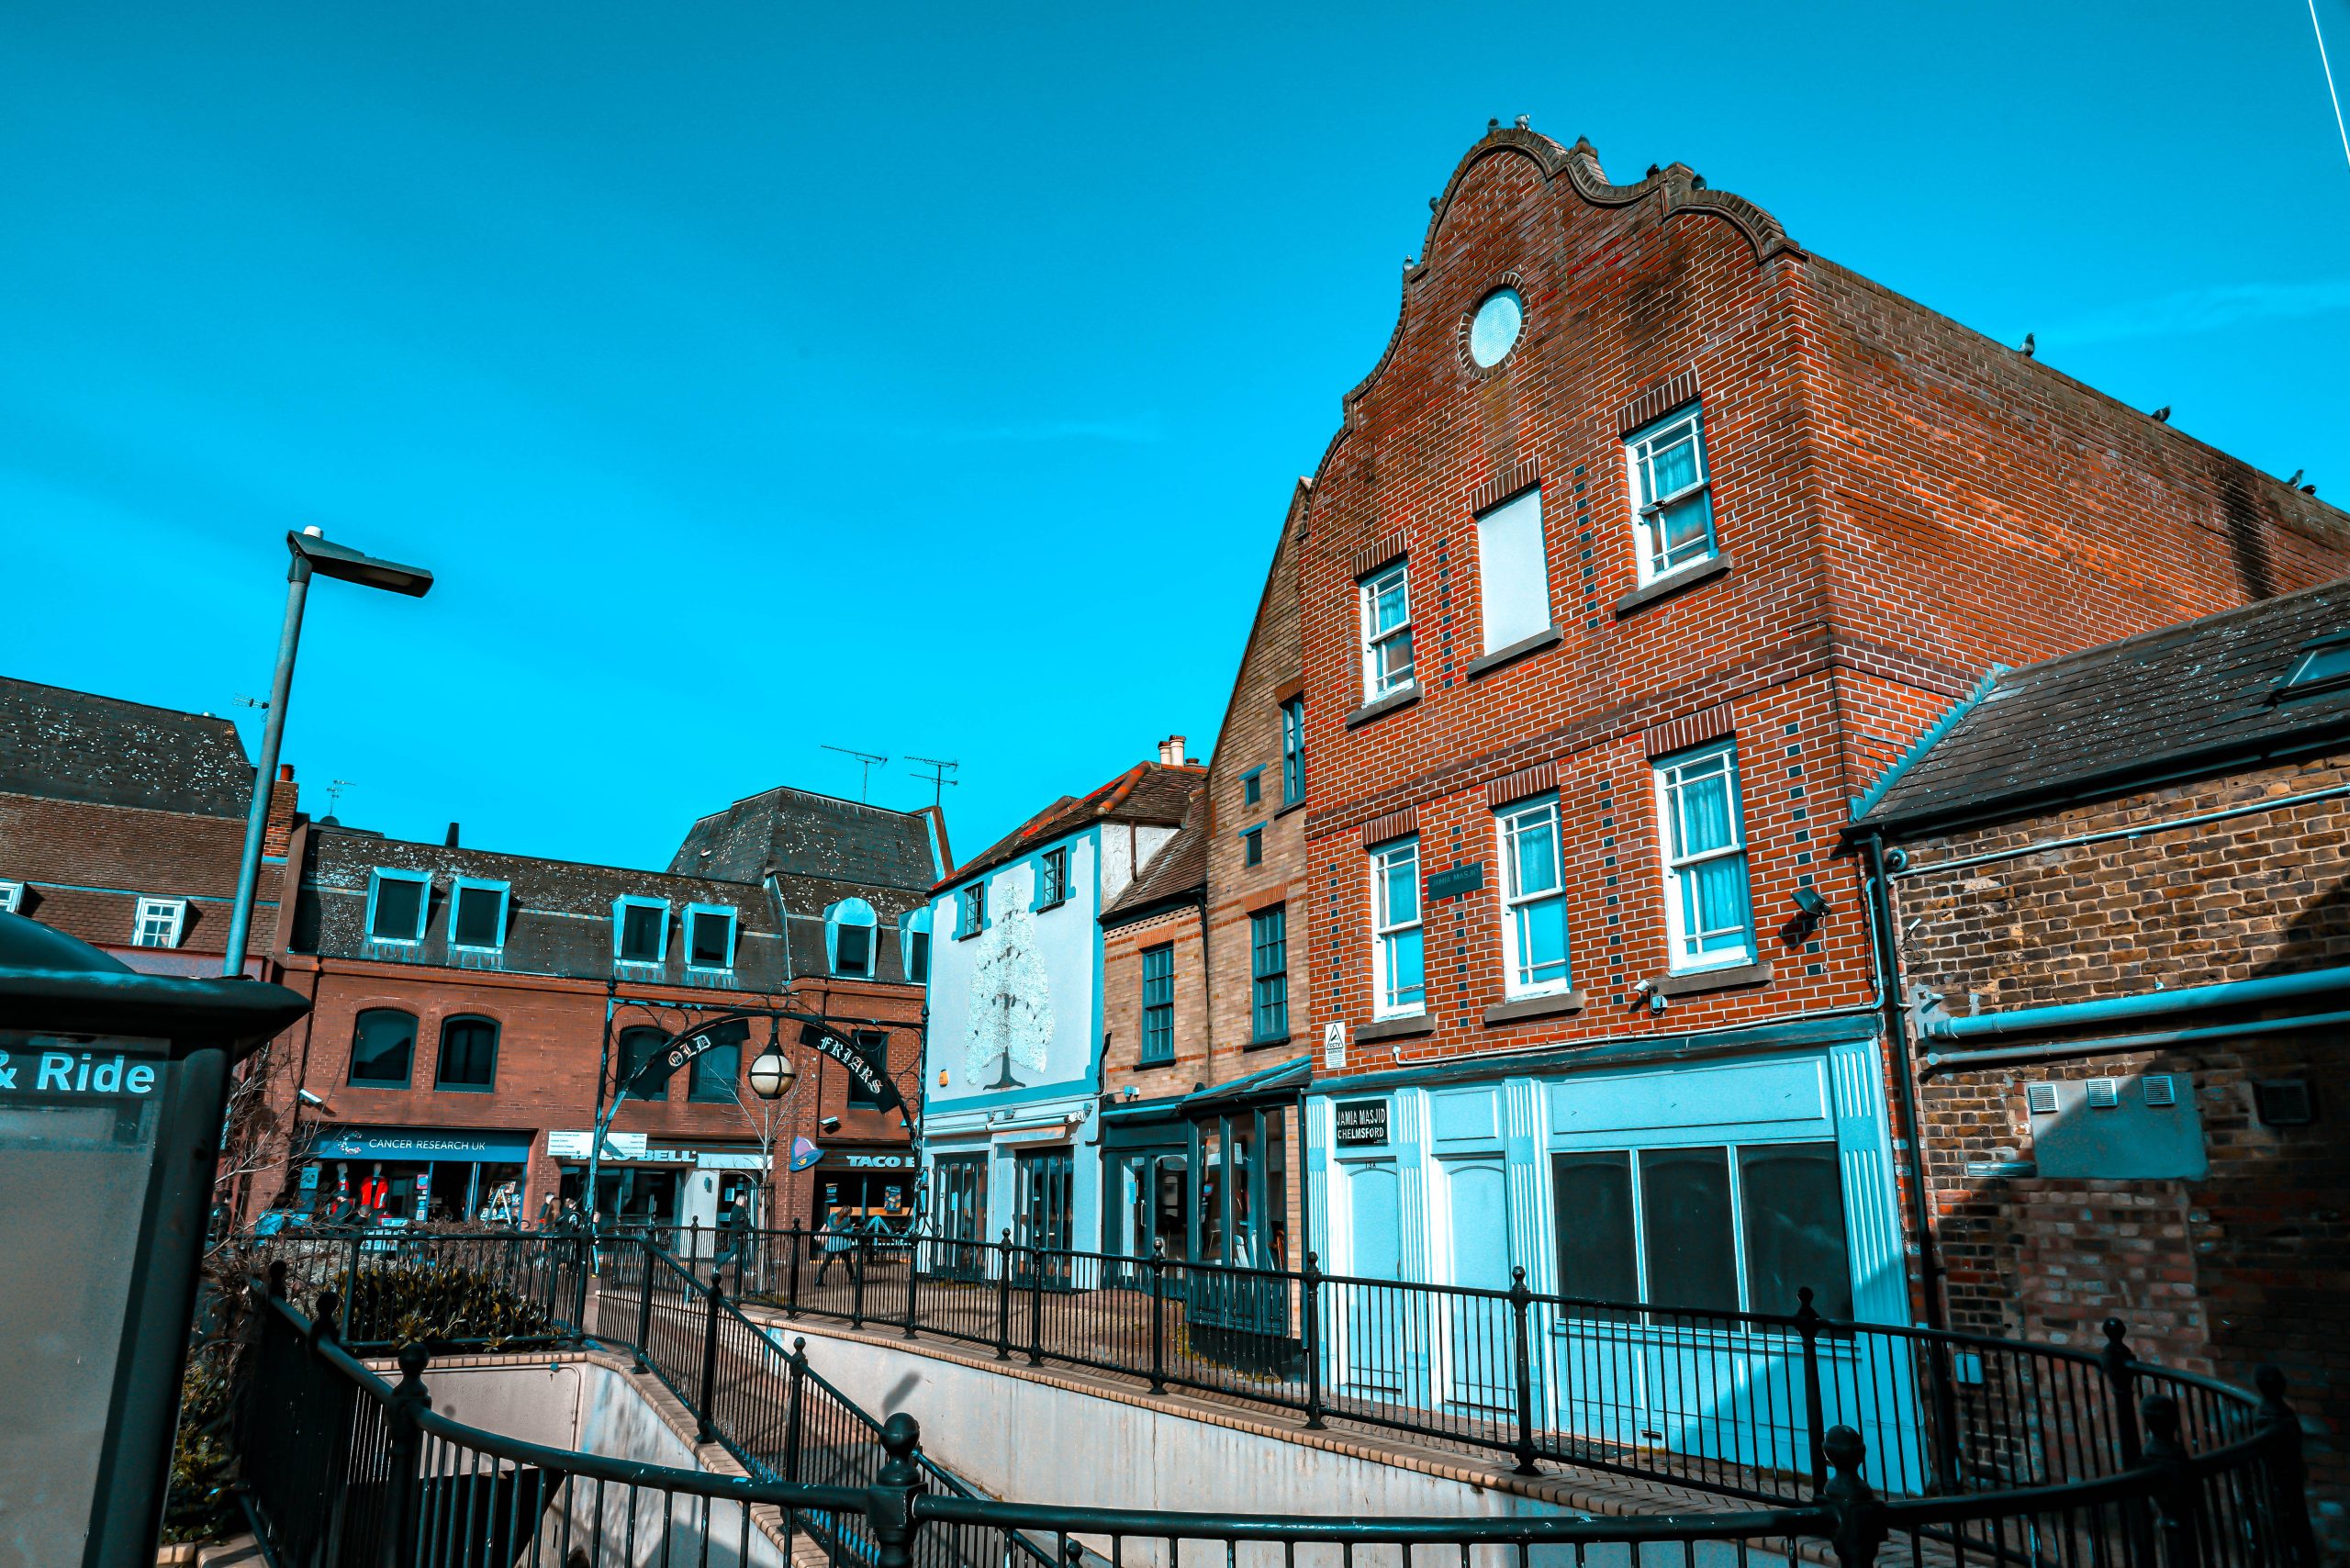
[1939, 1062]
[2146, 1005]
[1896, 1035]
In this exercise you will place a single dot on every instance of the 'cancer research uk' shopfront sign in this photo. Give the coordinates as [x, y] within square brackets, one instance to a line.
[422, 1144]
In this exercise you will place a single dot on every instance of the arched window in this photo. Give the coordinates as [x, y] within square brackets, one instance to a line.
[849, 930]
[383, 1049]
[639, 1045]
[468, 1055]
[913, 945]
[718, 1070]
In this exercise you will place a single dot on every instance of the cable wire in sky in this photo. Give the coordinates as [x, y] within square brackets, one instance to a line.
[2338, 127]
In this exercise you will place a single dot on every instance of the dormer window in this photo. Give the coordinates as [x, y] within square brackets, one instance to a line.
[396, 901]
[477, 915]
[849, 929]
[710, 937]
[159, 923]
[2324, 662]
[640, 930]
[913, 945]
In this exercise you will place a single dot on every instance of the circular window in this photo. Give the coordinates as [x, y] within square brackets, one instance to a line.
[1493, 331]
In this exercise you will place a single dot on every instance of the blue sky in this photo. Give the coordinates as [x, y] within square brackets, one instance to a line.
[933, 381]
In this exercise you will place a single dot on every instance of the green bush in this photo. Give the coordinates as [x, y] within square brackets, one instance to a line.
[430, 1302]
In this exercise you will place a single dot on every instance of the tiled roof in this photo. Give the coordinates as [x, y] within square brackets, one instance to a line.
[2198, 697]
[73, 746]
[1149, 792]
[798, 832]
[1179, 870]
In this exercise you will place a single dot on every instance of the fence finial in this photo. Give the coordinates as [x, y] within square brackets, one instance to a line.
[323, 1325]
[277, 1279]
[1859, 1514]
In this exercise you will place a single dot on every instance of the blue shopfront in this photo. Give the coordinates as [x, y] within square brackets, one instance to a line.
[1717, 1174]
[410, 1175]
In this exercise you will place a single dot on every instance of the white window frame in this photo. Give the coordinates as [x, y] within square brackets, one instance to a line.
[620, 906]
[377, 877]
[1669, 772]
[1293, 751]
[457, 886]
[12, 897]
[1376, 683]
[1509, 821]
[171, 914]
[1386, 933]
[1639, 449]
[1052, 877]
[733, 933]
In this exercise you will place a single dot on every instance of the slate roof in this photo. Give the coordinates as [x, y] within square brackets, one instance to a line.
[1149, 792]
[2187, 700]
[1178, 873]
[559, 912]
[800, 833]
[73, 746]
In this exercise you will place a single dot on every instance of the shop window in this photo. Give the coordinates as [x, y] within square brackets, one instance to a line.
[638, 1046]
[1268, 975]
[1052, 877]
[849, 928]
[1157, 1004]
[640, 930]
[383, 1049]
[1706, 909]
[710, 937]
[468, 1055]
[913, 943]
[1386, 614]
[1534, 900]
[718, 1070]
[1399, 984]
[1513, 575]
[1293, 751]
[477, 915]
[1711, 1228]
[159, 923]
[396, 901]
[873, 1045]
[1671, 500]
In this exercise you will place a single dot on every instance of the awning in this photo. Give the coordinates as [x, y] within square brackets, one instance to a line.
[1279, 1081]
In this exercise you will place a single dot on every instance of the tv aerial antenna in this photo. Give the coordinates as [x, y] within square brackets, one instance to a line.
[939, 783]
[335, 787]
[866, 758]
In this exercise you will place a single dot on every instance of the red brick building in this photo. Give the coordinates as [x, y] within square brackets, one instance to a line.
[1649, 542]
[122, 824]
[2121, 881]
[473, 1013]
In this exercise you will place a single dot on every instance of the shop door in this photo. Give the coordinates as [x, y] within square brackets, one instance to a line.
[1374, 1317]
[959, 1215]
[1042, 1190]
[1480, 1365]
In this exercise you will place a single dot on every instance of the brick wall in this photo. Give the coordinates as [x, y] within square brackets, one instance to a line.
[2249, 1264]
[1123, 948]
[1877, 563]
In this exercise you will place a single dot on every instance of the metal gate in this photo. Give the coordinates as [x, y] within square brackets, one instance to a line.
[1044, 1182]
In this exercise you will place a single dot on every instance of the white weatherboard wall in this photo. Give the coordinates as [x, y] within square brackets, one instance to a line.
[584, 1405]
[1021, 1001]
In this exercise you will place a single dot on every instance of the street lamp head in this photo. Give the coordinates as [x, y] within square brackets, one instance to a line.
[339, 561]
[771, 1073]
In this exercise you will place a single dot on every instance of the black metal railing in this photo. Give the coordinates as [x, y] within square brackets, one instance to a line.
[1738, 1404]
[343, 1467]
[493, 1289]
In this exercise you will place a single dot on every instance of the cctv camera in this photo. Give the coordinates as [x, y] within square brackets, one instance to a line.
[316, 1101]
[1809, 905]
[829, 1124]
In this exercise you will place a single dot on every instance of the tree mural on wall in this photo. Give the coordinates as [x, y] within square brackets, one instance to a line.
[1012, 1005]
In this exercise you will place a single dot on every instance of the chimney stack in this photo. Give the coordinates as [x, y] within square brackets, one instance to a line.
[451, 840]
[1170, 750]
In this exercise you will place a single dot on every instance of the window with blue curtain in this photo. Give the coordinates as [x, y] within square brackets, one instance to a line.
[1707, 915]
[1399, 982]
[1671, 496]
[1157, 1004]
[1534, 900]
[1268, 975]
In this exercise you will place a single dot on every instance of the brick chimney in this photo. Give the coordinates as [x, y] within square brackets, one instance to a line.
[277, 828]
[1170, 750]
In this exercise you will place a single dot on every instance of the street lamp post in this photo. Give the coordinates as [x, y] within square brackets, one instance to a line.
[311, 552]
